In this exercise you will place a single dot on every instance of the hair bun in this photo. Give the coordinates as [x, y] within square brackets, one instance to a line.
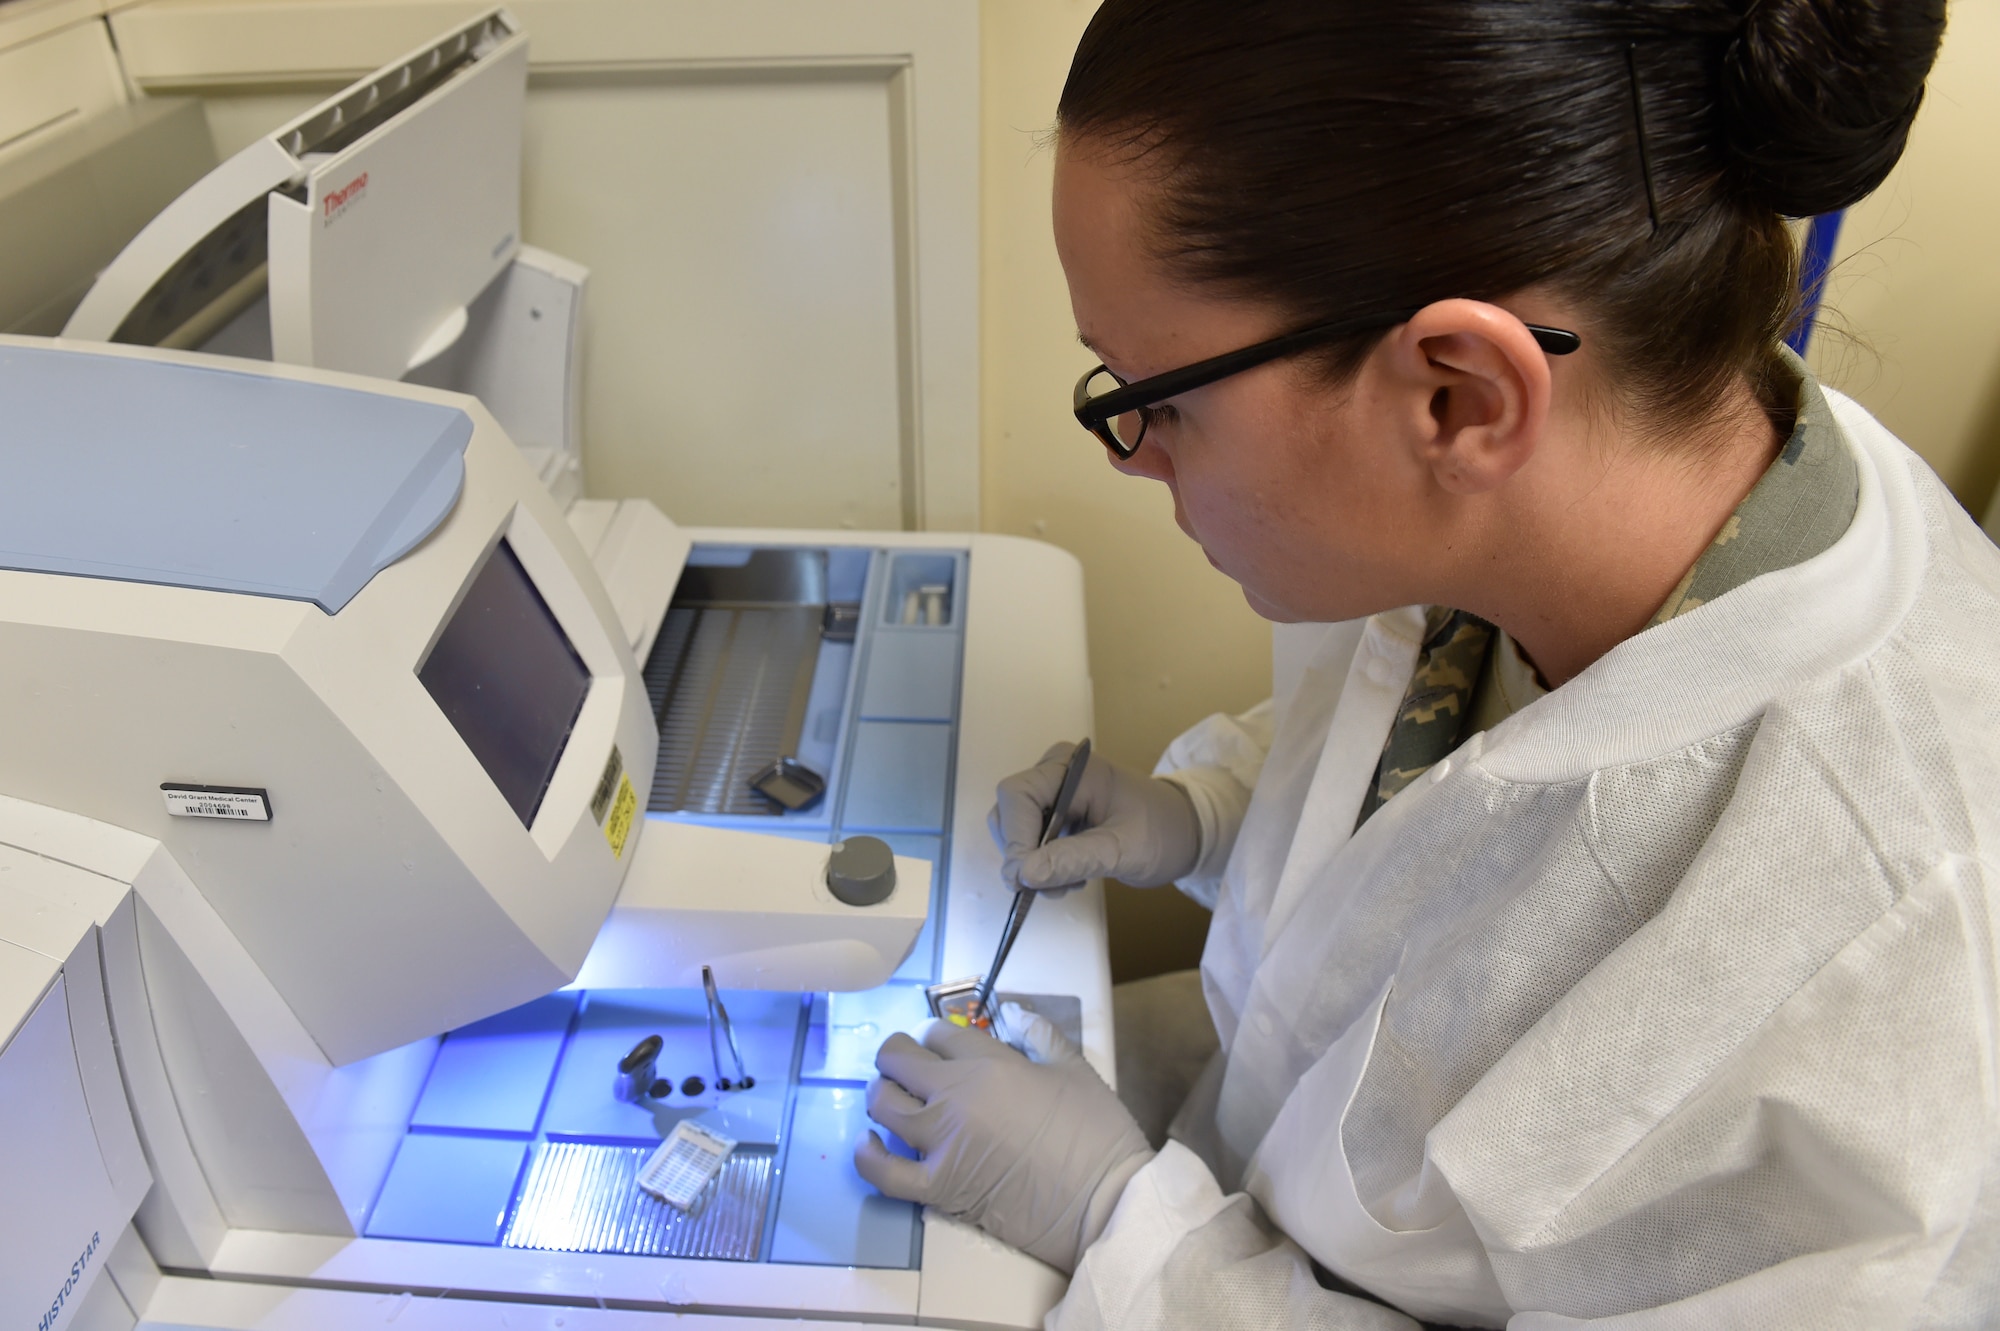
[1818, 96]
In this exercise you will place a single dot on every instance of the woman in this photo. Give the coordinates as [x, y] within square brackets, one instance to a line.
[1602, 924]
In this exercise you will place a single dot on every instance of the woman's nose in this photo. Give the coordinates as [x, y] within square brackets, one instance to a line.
[1149, 462]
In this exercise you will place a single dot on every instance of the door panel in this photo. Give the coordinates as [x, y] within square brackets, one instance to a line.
[741, 363]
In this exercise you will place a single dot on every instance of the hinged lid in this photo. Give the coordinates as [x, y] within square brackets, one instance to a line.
[189, 475]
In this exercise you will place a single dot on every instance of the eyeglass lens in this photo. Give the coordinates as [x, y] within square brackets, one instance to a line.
[1128, 428]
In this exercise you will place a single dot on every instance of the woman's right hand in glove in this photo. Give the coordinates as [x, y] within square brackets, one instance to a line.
[1138, 829]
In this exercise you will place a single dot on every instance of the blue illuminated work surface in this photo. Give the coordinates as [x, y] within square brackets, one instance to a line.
[519, 1138]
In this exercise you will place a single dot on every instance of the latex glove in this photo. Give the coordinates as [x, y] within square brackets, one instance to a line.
[1035, 1154]
[1138, 829]
[1034, 1035]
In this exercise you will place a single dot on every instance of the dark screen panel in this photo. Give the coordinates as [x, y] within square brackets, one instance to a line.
[506, 676]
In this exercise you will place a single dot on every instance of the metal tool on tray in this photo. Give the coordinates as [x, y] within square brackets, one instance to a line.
[1017, 911]
[718, 1020]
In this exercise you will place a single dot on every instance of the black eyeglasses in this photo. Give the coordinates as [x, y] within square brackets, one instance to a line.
[1118, 413]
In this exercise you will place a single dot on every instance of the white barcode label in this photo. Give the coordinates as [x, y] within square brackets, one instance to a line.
[241, 804]
[684, 1163]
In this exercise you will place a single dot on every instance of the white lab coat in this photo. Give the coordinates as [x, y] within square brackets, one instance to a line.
[1668, 1002]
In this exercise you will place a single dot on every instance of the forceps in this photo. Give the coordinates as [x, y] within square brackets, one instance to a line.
[1017, 912]
[718, 1016]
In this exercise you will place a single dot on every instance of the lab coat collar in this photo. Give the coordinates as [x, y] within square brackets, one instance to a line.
[1718, 666]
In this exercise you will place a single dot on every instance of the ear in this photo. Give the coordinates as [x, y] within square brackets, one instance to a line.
[1473, 389]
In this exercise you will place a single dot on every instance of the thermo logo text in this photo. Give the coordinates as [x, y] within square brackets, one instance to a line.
[335, 202]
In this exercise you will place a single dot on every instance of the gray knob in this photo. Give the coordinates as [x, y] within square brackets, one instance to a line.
[862, 871]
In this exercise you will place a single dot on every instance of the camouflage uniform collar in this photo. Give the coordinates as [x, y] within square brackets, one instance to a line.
[1436, 706]
[1800, 507]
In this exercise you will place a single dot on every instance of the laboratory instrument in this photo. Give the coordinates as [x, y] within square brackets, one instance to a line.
[417, 1028]
[396, 794]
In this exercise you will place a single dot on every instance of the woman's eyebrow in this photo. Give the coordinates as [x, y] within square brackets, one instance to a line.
[1097, 349]
[1103, 353]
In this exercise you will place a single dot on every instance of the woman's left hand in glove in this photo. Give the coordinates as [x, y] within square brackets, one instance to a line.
[1036, 1153]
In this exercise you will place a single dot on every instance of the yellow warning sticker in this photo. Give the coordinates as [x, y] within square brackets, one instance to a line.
[618, 825]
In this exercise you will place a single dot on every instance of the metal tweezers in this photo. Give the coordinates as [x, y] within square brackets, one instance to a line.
[718, 1016]
[1017, 912]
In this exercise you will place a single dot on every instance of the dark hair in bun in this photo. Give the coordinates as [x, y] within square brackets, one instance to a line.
[1345, 157]
[1818, 97]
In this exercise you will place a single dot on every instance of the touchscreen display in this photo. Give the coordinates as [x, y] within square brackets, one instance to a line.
[506, 676]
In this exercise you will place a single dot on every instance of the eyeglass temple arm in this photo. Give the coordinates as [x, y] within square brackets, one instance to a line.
[1553, 341]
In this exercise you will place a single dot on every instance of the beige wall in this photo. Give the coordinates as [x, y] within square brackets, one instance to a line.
[1914, 328]
[1170, 639]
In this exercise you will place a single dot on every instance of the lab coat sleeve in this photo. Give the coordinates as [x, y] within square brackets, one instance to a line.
[1178, 1253]
[1217, 764]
